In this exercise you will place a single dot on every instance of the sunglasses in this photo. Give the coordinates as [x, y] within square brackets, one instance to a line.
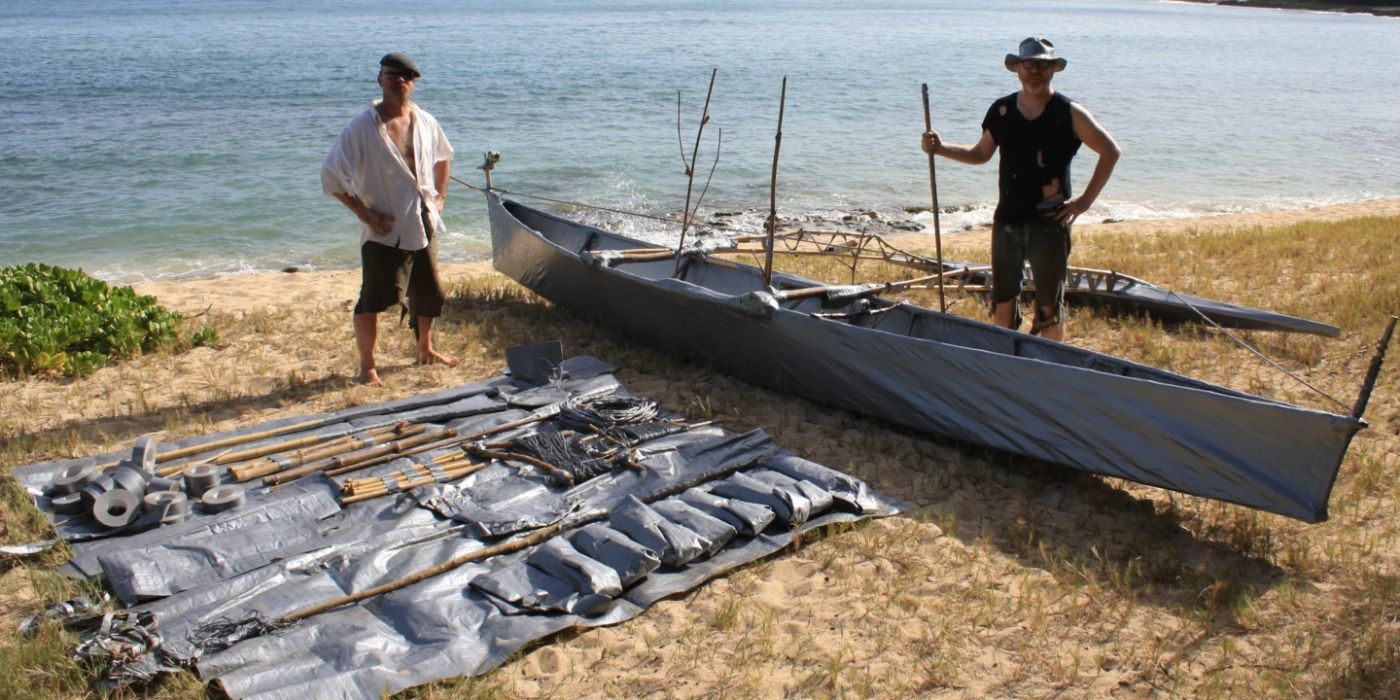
[1038, 64]
[400, 74]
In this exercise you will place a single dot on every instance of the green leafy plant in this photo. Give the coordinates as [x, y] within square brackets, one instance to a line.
[54, 320]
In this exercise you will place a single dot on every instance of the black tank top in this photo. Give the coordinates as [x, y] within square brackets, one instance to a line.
[1033, 154]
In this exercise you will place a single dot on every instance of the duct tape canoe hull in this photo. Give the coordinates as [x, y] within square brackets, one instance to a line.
[942, 374]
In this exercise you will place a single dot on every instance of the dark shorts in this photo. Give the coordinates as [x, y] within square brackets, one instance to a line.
[1045, 243]
[388, 274]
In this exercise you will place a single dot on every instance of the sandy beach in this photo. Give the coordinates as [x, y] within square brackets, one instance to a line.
[1002, 579]
[337, 288]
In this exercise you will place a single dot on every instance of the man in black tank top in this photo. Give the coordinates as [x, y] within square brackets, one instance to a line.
[1038, 131]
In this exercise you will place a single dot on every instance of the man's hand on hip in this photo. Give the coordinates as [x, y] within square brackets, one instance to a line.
[380, 224]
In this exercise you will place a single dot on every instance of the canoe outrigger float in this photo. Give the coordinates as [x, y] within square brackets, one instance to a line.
[935, 372]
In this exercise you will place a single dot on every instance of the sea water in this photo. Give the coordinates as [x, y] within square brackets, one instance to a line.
[173, 138]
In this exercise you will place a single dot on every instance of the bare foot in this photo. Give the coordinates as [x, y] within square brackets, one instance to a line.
[370, 377]
[433, 357]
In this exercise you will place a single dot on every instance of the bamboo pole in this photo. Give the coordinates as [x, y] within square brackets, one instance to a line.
[933, 189]
[451, 438]
[220, 443]
[258, 468]
[370, 493]
[773, 192]
[402, 446]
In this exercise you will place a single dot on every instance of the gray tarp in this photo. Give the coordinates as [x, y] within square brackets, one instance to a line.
[702, 503]
[939, 373]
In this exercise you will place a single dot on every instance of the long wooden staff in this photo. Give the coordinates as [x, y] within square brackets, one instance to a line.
[690, 167]
[773, 192]
[933, 190]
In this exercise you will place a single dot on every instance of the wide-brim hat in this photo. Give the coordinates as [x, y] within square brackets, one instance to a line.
[400, 61]
[1035, 49]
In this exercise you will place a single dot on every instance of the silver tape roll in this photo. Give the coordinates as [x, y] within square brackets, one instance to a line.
[130, 478]
[156, 501]
[116, 508]
[201, 478]
[163, 484]
[94, 490]
[143, 454]
[67, 504]
[222, 498]
[73, 478]
[176, 512]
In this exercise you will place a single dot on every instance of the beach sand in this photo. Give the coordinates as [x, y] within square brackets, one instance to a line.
[1002, 579]
[337, 288]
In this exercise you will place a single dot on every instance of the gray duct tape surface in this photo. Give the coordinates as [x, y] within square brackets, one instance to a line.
[702, 503]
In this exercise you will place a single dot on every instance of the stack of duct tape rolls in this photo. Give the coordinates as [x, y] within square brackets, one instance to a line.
[131, 494]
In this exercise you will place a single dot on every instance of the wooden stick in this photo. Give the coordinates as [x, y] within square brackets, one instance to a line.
[371, 483]
[449, 438]
[690, 167]
[224, 442]
[514, 545]
[933, 189]
[507, 547]
[773, 192]
[359, 459]
[345, 443]
[368, 494]
[560, 476]
[1374, 371]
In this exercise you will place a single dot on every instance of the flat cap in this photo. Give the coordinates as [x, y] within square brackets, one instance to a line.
[400, 61]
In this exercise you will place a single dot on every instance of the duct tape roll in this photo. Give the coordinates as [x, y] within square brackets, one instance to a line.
[73, 478]
[130, 478]
[143, 453]
[116, 508]
[156, 501]
[201, 478]
[67, 504]
[222, 498]
[159, 484]
[176, 512]
[94, 490]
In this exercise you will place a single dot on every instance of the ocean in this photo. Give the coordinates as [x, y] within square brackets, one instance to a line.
[151, 139]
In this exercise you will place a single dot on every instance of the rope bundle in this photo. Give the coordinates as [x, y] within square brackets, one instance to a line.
[605, 413]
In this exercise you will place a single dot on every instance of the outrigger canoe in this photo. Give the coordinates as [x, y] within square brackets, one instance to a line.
[941, 374]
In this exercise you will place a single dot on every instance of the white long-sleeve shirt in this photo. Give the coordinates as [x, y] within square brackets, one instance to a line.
[364, 163]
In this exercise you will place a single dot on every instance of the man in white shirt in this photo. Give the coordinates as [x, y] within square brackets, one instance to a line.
[390, 168]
